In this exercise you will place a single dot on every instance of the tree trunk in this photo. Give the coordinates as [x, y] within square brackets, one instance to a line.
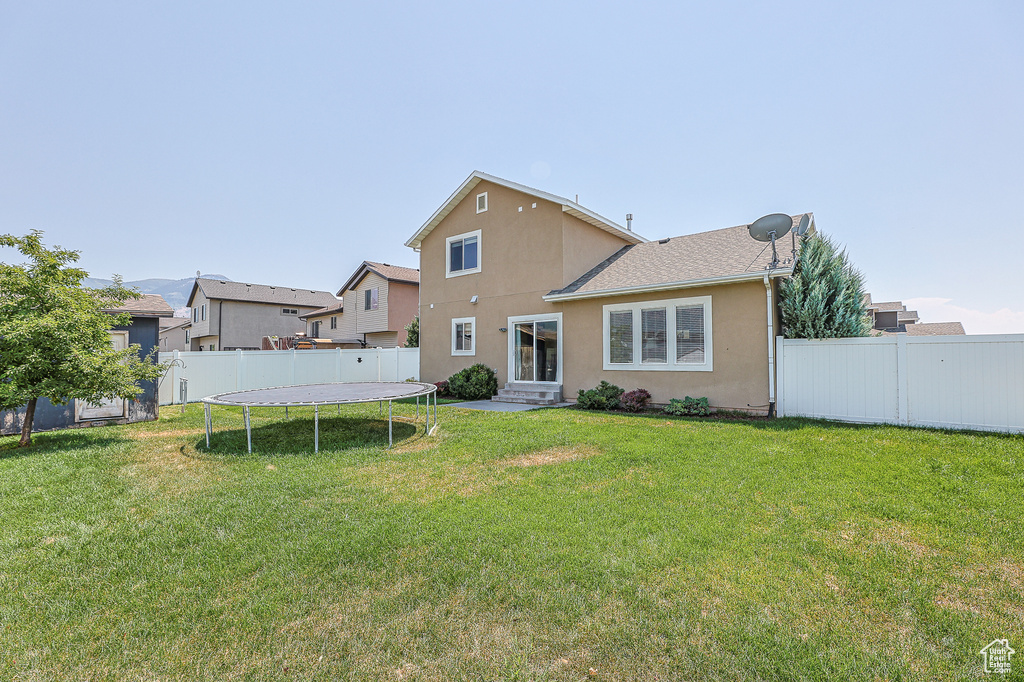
[26, 424]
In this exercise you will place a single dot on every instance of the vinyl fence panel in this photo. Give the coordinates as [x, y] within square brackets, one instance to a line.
[974, 382]
[211, 372]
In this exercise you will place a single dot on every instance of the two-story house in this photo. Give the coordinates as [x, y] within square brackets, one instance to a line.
[235, 315]
[556, 298]
[378, 301]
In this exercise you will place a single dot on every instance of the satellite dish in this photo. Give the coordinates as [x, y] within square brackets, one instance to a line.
[805, 222]
[771, 226]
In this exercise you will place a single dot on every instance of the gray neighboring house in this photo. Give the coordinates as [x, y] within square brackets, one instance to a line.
[236, 316]
[174, 333]
[892, 317]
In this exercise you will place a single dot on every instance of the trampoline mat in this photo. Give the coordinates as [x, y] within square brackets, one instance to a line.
[323, 394]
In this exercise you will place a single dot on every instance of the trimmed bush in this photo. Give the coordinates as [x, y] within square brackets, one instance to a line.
[635, 401]
[478, 382]
[605, 397]
[688, 407]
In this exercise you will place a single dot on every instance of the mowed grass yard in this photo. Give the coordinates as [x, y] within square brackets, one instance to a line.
[553, 544]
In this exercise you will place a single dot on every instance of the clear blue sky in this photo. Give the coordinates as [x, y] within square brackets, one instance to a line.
[283, 143]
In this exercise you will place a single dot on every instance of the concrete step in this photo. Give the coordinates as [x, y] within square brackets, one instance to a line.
[529, 393]
[544, 395]
[523, 401]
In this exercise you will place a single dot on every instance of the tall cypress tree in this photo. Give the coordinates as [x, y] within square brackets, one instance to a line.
[824, 299]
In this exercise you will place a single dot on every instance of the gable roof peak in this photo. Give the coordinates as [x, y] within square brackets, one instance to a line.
[570, 207]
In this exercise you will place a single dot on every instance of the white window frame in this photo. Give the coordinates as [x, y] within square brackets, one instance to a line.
[195, 314]
[188, 336]
[463, 320]
[203, 316]
[670, 310]
[448, 254]
[290, 312]
[484, 209]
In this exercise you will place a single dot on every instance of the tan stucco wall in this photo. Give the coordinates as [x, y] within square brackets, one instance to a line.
[739, 334]
[520, 260]
[584, 246]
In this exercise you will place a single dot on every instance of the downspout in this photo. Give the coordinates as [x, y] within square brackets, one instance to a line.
[220, 324]
[771, 347]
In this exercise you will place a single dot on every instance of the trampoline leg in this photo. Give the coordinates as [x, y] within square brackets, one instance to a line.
[285, 411]
[391, 440]
[248, 429]
[417, 407]
[316, 428]
[339, 409]
[380, 408]
[209, 424]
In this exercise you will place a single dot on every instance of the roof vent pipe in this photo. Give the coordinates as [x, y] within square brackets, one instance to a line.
[629, 222]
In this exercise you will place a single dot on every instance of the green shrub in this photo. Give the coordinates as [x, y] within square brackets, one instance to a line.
[688, 407]
[478, 382]
[605, 397]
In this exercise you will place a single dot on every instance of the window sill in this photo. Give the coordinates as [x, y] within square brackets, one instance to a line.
[658, 368]
[460, 273]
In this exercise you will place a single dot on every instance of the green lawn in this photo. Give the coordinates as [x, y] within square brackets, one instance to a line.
[524, 546]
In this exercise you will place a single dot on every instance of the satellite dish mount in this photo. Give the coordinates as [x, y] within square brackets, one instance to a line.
[769, 228]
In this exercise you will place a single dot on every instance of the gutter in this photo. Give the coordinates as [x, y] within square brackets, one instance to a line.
[669, 286]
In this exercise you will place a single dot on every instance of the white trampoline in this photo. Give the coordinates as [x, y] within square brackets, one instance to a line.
[319, 395]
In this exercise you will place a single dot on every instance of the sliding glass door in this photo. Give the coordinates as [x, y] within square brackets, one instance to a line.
[535, 350]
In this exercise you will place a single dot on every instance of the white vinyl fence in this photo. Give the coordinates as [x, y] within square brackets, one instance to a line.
[961, 382]
[212, 372]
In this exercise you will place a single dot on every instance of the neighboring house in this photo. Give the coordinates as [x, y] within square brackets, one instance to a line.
[174, 334]
[556, 298]
[144, 330]
[892, 317]
[378, 301]
[236, 316]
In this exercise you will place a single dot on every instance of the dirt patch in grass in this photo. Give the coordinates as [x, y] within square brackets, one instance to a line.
[170, 468]
[551, 456]
[180, 433]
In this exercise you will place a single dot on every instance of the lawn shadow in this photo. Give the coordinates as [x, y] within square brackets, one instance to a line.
[64, 440]
[296, 436]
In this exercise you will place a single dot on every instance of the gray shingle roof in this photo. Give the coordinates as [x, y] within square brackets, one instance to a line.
[336, 308]
[935, 329]
[150, 305]
[392, 273]
[690, 258]
[264, 293]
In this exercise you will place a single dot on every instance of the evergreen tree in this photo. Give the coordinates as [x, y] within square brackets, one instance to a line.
[412, 338]
[824, 299]
[54, 335]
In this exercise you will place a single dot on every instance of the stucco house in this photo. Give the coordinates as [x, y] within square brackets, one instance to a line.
[236, 316]
[556, 298]
[377, 302]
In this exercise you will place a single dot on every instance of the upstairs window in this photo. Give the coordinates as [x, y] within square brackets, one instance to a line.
[372, 299]
[463, 254]
[195, 314]
[334, 322]
[289, 311]
[203, 316]
[481, 202]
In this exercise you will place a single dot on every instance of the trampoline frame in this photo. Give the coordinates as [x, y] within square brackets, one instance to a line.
[218, 399]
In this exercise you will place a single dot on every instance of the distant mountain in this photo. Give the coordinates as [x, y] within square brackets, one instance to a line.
[174, 291]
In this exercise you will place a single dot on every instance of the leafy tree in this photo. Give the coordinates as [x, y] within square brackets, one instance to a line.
[824, 299]
[54, 335]
[412, 337]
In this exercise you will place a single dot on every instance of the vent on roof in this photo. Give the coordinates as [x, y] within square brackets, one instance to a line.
[629, 222]
[664, 241]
